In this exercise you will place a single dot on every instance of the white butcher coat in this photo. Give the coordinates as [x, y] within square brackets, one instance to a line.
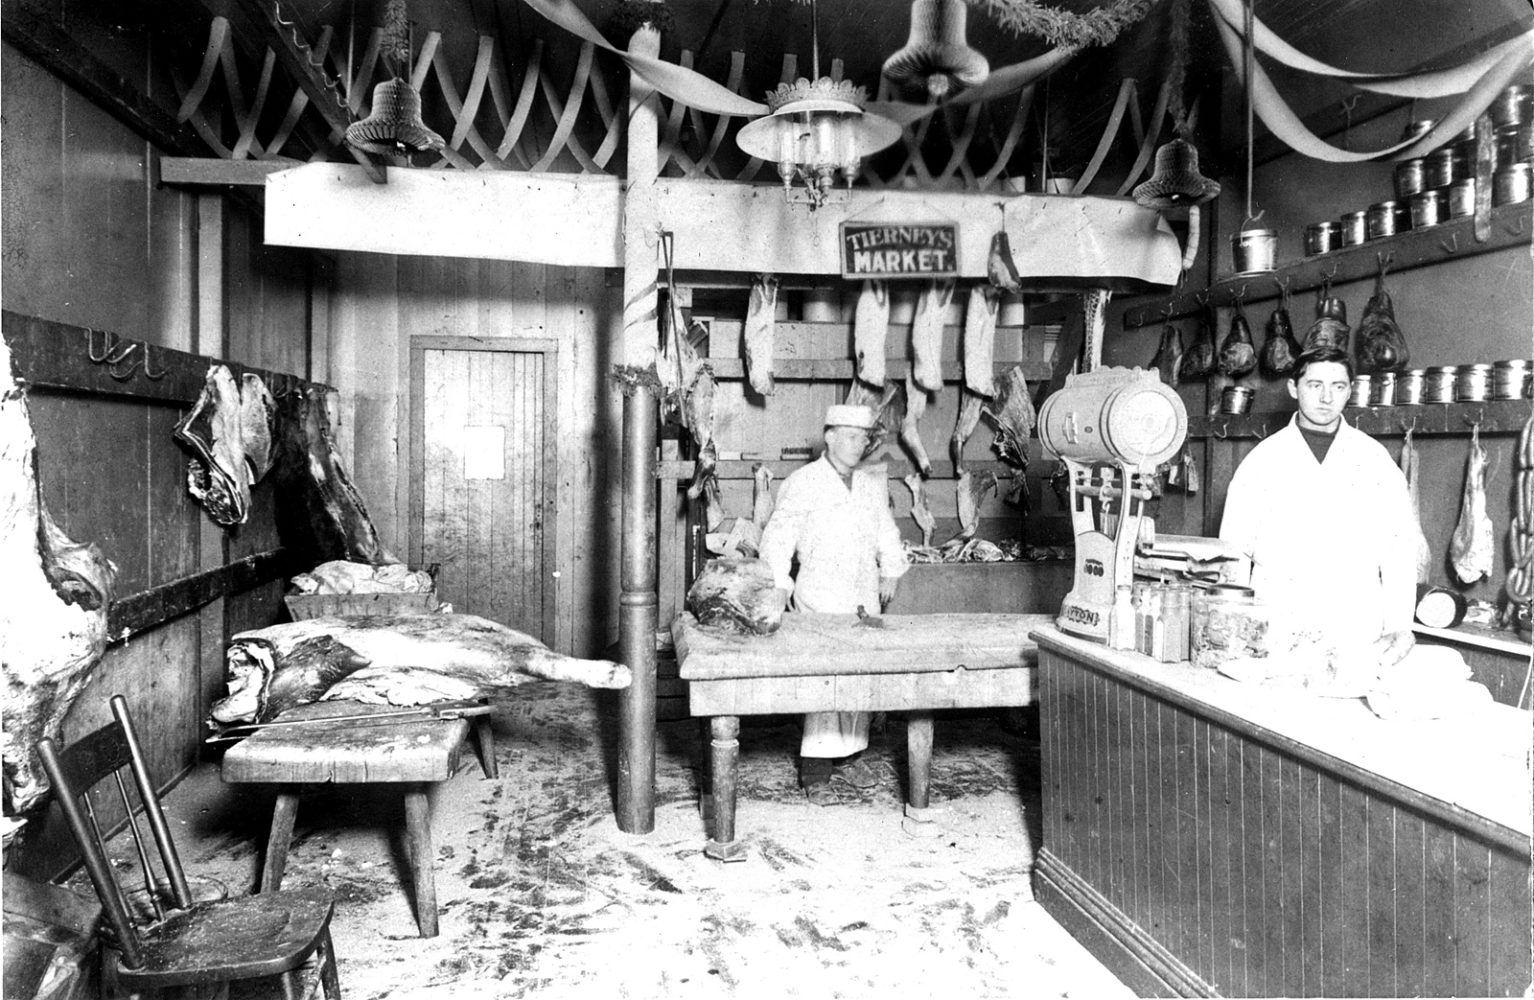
[845, 540]
[1333, 543]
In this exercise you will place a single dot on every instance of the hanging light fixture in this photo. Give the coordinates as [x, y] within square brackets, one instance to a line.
[394, 125]
[937, 51]
[817, 129]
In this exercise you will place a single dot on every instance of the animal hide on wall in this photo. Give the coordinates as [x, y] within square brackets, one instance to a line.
[229, 432]
[53, 619]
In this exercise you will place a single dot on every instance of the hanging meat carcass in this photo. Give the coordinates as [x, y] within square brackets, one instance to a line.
[1168, 357]
[870, 329]
[389, 659]
[320, 514]
[1199, 362]
[761, 328]
[1411, 469]
[980, 340]
[1000, 266]
[1472, 547]
[761, 495]
[1238, 354]
[927, 335]
[910, 426]
[1280, 350]
[1012, 416]
[1381, 345]
[970, 406]
[53, 618]
[1330, 328]
[920, 512]
[229, 432]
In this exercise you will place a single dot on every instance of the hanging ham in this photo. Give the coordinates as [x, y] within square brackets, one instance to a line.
[1169, 355]
[761, 326]
[870, 328]
[980, 340]
[1473, 544]
[1381, 345]
[1238, 354]
[1279, 350]
[927, 335]
[1200, 359]
[1330, 328]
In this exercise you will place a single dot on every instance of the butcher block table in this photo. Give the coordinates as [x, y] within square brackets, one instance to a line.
[417, 754]
[839, 663]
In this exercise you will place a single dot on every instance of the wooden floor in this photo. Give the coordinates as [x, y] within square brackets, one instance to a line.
[541, 895]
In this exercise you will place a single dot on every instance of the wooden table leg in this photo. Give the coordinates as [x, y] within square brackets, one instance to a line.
[422, 861]
[283, 814]
[724, 761]
[918, 820]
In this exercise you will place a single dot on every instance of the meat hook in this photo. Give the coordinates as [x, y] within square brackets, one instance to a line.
[1384, 259]
[281, 388]
[1406, 428]
[1224, 431]
[113, 363]
[1475, 421]
[1517, 228]
[109, 343]
[153, 376]
[1453, 245]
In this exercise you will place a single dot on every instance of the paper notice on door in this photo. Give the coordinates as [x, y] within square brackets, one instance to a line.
[484, 452]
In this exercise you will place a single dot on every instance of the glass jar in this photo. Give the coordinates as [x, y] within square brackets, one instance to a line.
[1176, 616]
[1227, 622]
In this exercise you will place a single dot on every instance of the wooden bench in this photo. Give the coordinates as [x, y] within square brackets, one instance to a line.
[834, 663]
[416, 754]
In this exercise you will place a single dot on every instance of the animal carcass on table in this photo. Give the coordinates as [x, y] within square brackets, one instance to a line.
[393, 660]
[53, 618]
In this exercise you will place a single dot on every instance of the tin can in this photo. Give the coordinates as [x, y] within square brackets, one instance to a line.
[1253, 250]
[1417, 129]
[1427, 209]
[1354, 228]
[1408, 178]
[1525, 147]
[1409, 387]
[1512, 105]
[1438, 384]
[1363, 387]
[1471, 383]
[1438, 168]
[1464, 135]
[1461, 200]
[1380, 220]
[1507, 146]
[1383, 391]
[1509, 379]
[1235, 399]
[1510, 184]
[1321, 237]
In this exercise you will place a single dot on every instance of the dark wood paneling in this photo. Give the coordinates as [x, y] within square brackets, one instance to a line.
[1256, 872]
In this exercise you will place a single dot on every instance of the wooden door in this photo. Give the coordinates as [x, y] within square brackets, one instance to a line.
[482, 463]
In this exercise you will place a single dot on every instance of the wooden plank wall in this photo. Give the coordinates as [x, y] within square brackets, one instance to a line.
[1262, 874]
[91, 240]
[379, 303]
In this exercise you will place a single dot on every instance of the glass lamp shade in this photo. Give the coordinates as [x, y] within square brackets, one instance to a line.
[812, 133]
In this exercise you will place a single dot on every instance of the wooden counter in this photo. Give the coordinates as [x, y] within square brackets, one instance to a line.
[1206, 837]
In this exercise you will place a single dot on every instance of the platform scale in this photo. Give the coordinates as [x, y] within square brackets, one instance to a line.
[1111, 427]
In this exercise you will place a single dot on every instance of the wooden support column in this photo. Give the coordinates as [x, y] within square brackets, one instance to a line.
[637, 604]
[211, 339]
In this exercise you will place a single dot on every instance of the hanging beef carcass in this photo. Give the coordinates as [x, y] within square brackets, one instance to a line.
[53, 618]
[229, 432]
[761, 328]
[927, 335]
[389, 659]
[870, 329]
[980, 340]
[320, 514]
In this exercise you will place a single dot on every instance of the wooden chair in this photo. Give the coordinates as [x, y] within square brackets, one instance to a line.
[200, 945]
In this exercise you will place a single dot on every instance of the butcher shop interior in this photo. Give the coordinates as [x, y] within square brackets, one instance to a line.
[814, 498]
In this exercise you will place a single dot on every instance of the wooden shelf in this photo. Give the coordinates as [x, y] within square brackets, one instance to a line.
[1480, 636]
[843, 369]
[1511, 225]
[1497, 416]
[744, 468]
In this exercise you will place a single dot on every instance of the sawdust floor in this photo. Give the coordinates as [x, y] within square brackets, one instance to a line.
[541, 895]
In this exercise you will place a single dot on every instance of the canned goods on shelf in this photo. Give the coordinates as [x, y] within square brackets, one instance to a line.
[1461, 200]
[1471, 383]
[1322, 237]
[1439, 168]
[1438, 384]
[1510, 379]
[1380, 220]
[1511, 107]
[1363, 386]
[1409, 178]
[1525, 148]
[1253, 250]
[1383, 391]
[1235, 399]
[1427, 209]
[1510, 184]
[1507, 146]
[1417, 129]
[1355, 228]
[1409, 387]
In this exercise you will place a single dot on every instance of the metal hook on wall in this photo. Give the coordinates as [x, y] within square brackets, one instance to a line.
[1406, 428]
[153, 376]
[114, 363]
[1384, 259]
[1475, 421]
[1453, 245]
[1224, 430]
[108, 344]
[1516, 229]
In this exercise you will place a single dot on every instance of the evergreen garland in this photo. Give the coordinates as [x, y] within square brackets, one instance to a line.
[1063, 28]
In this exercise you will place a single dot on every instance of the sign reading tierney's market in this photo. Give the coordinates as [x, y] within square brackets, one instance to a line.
[892, 250]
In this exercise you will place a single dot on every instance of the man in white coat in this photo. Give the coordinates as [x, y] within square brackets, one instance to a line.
[1323, 512]
[835, 519]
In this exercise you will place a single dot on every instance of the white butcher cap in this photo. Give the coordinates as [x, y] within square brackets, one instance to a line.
[844, 415]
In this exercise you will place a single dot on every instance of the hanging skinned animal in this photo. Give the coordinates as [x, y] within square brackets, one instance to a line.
[920, 512]
[969, 492]
[1381, 346]
[1169, 355]
[1331, 326]
[1000, 267]
[980, 340]
[889, 412]
[1190, 476]
[1411, 469]
[910, 427]
[761, 325]
[1200, 360]
[1280, 349]
[1013, 417]
[1238, 354]
[870, 328]
[927, 335]
[970, 406]
[761, 495]
[1473, 544]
